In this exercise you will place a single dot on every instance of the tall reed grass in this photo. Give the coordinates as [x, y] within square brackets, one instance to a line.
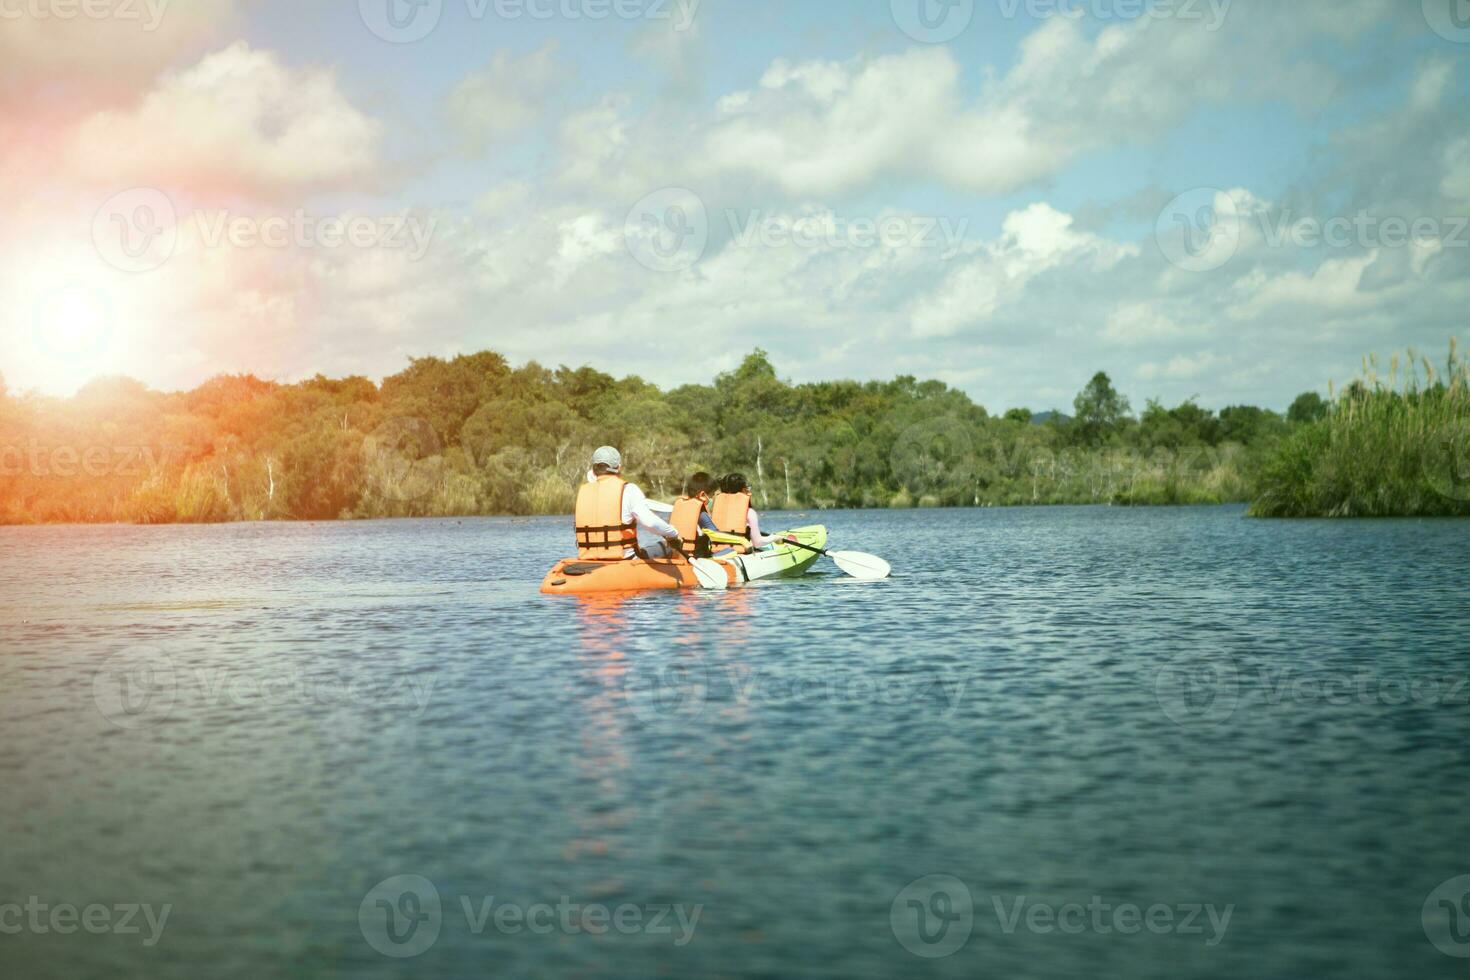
[1391, 446]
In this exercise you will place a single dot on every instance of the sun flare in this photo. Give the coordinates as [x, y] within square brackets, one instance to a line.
[64, 330]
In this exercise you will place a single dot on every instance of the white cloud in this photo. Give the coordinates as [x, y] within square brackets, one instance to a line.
[1140, 323]
[1033, 241]
[1456, 183]
[1182, 368]
[1332, 286]
[238, 121]
[822, 127]
[593, 144]
[505, 97]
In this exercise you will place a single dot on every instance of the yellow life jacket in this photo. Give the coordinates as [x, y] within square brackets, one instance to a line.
[601, 533]
[731, 513]
[686, 521]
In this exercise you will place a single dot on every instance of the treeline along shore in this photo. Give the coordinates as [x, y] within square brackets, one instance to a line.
[475, 436]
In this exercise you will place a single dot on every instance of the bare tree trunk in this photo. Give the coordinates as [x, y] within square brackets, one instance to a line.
[760, 473]
[786, 465]
[270, 475]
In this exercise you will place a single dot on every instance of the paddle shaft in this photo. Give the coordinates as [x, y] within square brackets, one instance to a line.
[820, 551]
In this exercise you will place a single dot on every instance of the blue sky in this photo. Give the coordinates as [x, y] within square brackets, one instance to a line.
[656, 200]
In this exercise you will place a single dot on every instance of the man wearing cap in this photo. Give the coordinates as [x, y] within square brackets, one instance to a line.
[610, 511]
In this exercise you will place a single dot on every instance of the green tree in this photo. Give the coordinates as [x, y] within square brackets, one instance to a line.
[1100, 410]
[1308, 407]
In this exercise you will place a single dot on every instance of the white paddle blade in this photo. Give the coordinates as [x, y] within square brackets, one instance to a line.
[711, 574]
[661, 508]
[869, 568]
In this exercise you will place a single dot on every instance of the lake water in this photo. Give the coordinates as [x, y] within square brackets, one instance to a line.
[1058, 743]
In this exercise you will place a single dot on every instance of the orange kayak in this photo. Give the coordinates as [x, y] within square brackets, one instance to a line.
[576, 577]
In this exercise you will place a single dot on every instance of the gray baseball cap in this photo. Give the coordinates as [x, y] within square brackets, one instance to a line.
[609, 457]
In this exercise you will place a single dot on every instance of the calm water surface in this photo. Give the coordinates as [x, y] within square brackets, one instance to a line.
[1062, 712]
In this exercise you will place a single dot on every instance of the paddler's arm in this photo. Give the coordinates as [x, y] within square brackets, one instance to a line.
[757, 539]
[646, 518]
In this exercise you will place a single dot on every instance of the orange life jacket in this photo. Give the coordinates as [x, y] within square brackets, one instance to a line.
[601, 533]
[731, 513]
[686, 521]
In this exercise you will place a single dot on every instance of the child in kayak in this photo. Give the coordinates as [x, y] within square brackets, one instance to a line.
[733, 514]
[691, 516]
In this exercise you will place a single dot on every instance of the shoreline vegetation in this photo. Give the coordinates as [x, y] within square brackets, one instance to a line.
[473, 436]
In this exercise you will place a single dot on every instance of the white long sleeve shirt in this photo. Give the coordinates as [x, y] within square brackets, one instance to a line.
[757, 539]
[636, 511]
